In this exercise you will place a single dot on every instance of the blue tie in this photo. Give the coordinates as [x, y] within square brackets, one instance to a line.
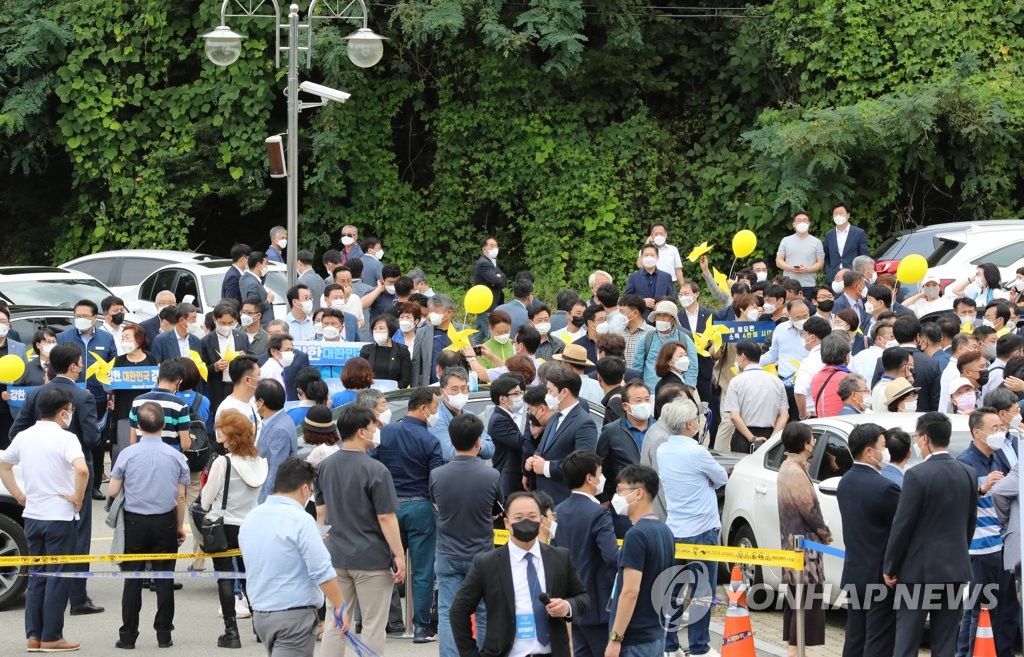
[549, 432]
[540, 612]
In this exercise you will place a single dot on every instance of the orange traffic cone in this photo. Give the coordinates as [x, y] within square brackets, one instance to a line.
[984, 642]
[738, 637]
[736, 584]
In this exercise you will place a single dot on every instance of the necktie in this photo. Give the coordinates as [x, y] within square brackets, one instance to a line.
[540, 612]
[549, 432]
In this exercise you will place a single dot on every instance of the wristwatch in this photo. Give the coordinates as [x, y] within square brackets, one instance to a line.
[615, 636]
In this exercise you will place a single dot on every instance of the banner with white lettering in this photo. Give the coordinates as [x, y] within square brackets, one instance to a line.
[132, 378]
[20, 393]
[750, 331]
[328, 353]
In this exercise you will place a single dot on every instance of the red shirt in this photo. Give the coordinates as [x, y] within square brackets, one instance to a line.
[824, 390]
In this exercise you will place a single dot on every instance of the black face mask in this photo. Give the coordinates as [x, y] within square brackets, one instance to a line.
[826, 305]
[576, 321]
[525, 530]
[982, 378]
[117, 319]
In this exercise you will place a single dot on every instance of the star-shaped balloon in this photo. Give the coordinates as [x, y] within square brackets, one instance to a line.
[198, 360]
[100, 369]
[721, 280]
[460, 339]
[699, 250]
[711, 339]
[771, 368]
[229, 354]
[967, 327]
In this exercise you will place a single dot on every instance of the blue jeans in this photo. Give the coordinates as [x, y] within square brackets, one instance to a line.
[47, 597]
[450, 573]
[705, 574]
[988, 569]
[418, 522]
[650, 649]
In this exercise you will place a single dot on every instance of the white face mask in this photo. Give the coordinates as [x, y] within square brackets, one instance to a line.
[348, 241]
[224, 331]
[686, 301]
[1018, 285]
[682, 364]
[769, 308]
[332, 333]
[995, 440]
[287, 357]
[866, 401]
[798, 324]
[840, 219]
[603, 328]
[47, 348]
[869, 308]
[247, 321]
[891, 343]
[503, 338]
[390, 289]
[127, 347]
[551, 401]
[375, 440]
[282, 244]
[307, 306]
[762, 276]
[802, 227]
[318, 328]
[620, 504]
[492, 253]
[1015, 422]
[458, 402]
[433, 419]
[910, 406]
[385, 417]
[659, 240]
[379, 254]
[864, 293]
[435, 318]
[640, 411]
[837, 287]
[650, 262]
[663, 325]
[65, 418]
[516, 403]
[552, 528]
[380, 337]
[4, 330]
[752, 315]
[338, 304]
[931, 292]
[917, 450]
[406, 325]
[543, 328]
[83, 323]
[196, 329]
[601, 481]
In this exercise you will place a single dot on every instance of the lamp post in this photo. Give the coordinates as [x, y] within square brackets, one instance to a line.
[365, 48]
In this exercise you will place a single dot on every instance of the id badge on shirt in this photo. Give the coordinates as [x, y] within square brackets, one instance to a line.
[525, 628]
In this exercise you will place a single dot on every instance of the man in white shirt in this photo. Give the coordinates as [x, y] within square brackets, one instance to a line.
[279, 356]
[962, 343]
[245, 374]
[55, 475]
[668, 255]
[787, 348]
[815, 330]
[340, 297]
[881, 337]
[113, 320]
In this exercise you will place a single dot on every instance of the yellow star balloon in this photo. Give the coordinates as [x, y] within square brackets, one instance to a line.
[721, 280]
[460, 339]
[229, 354]
[711, 339]
[198, 360]
[771, 368]
[699, 250]
[100, 369]
[967, 327]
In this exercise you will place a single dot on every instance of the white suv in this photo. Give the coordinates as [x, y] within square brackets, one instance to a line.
[959, 252]
[122, 270]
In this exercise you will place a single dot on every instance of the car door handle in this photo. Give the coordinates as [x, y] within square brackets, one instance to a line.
[761, 489]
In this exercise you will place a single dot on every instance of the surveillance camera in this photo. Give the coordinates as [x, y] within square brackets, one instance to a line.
[326, 93]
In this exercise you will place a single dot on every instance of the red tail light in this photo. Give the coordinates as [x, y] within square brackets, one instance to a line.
[887, 266]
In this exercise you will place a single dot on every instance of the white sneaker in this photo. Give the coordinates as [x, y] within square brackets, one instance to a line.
[242, 609]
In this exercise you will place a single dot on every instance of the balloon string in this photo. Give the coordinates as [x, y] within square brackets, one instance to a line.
[733, 266]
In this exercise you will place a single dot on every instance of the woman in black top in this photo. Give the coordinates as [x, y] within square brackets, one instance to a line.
[388, 359]
[120, 401]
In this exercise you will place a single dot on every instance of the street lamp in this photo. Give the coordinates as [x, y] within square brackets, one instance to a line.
[365, 48]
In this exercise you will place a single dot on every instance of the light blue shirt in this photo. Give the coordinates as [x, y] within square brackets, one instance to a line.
[300, 330]
[151, 471]
[689, 477]
[440, 431]
[787, 346]
[645, 362]
[286, 560]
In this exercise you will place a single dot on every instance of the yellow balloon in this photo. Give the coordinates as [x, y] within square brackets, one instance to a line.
[912, 269]
[478, 299]
[743, 243]
[11, 368]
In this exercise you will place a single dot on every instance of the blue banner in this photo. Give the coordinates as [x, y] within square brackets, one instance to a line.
[751, 331]
[20, 393]
[132, 378]
[328, 353]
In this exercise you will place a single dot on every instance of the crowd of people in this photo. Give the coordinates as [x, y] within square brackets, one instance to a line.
[605, 409]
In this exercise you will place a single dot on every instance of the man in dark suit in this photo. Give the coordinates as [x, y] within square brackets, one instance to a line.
[694, 318]
[852, 296]
[570, 429]
[585, 529]
[930, 537]
[178, 341]
[650, 283]
[300, 360]
[487, 272]
[507, 396]
[212, 349]
[250, 285]
[239, 259]
[67, 362]
[854, 243]
[151, 326]
[511, 580]
[906, 330]
[617, 445]
[867, 504]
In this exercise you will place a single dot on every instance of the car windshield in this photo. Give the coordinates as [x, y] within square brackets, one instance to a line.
[61, 293]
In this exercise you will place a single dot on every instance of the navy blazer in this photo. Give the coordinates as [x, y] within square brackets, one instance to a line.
[487, 273]
[576, 431]
[102, 344]
[508, 451]
[856, 245]
[637, 283]
[166, 345]
[867, 504]
[250, 286]
[617, 450]
[705, 364]
[585, 529]
[927, 376]
[152, 328]
[843, 302]
[229, 286]
[84, 423]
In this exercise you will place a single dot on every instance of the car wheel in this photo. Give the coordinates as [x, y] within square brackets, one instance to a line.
[12, 544]
[743, 537]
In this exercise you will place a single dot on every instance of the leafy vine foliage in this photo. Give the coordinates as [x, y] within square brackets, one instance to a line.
[564, 127]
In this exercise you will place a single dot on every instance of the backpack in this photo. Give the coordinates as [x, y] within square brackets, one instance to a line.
[198, 454]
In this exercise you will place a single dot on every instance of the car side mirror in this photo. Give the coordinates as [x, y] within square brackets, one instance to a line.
[829, 486]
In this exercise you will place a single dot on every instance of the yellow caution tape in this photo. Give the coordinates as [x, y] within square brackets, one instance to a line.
[756, 556]
[90, 558]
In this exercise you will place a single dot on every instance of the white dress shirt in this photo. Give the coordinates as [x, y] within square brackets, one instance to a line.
[224, 344]
[787, 346]
[809, 366]
[841, 236]
[524, 603]
[183, 346]
[272, 370]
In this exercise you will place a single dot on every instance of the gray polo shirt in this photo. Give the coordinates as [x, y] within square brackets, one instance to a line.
[151, 471]
[464, 491]
[758, 396]
[805, 251]
[356, 489]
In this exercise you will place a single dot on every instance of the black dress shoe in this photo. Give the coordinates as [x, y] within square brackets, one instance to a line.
[124, 644]
[98, 495]
[164, 642]
[87, 607]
